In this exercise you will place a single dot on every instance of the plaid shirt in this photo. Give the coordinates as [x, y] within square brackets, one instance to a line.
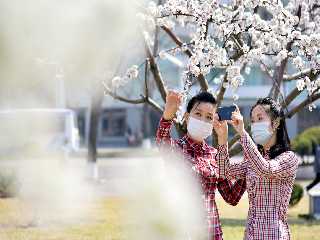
[269, 186]
[202, 158]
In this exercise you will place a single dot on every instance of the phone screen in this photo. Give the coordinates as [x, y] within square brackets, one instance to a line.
[225, 113]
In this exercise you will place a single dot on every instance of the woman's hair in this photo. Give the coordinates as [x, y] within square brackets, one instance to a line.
[274, 110]
[202, 97]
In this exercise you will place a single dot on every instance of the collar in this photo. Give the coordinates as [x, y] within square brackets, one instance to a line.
[195, 145]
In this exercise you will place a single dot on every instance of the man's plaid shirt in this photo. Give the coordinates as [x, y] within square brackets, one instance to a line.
[202, 158]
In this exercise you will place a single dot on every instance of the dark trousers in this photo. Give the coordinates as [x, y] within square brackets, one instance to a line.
[314, 182]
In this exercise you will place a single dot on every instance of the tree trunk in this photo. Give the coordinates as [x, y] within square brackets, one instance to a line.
[95, 112]
[146, 128]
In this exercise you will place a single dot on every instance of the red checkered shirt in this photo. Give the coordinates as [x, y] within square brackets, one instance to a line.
[202, 158]
[269, 186]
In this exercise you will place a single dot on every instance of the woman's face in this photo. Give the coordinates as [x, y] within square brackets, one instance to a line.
[203, 112]
[259, 114]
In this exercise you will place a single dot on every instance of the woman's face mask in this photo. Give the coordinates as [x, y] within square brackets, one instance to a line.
[261, 126]
[199, 130]
[261, 132]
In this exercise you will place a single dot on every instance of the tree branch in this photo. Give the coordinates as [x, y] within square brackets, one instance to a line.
[278, 76]
[143, 99]
[235, 150]
[292, 95]
[222, 90]
[146, 78]
[178, 14]
[107, 91]
[203, 82]
[155, 71]
[155, 105]
[233, 140]
[298, 75]
[303, 104]
[295, 92]
[236, 137]
[176, 39]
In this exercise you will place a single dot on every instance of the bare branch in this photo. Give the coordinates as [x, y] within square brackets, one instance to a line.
[303, 104]
[236, 137]
[155, 71]
[176, 39]
[298, 75]
[207, 28]
[235, 150]
[203, 82]
[146, 78]
[156, 35]
[222, 90]
[155, 105]
[143, 99]
[278, 76]
[295, 92]
[107, 91]
[292, 95]
[178, 14]
[233, 140]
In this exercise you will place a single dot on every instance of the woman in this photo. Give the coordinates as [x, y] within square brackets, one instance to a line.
[269, 168]
[199, 119]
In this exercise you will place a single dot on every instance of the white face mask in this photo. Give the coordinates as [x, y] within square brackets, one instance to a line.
[261, 132]
[199, 130]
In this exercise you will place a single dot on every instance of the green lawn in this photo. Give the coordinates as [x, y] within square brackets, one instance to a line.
[234, 219]
[103, 222]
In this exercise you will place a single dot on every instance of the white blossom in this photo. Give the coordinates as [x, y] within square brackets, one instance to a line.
[247, 70]
[298, 62]
[239, 37]
[133, 72]
[162, 54]
[301, 84]
[235, 97]
[117, 82]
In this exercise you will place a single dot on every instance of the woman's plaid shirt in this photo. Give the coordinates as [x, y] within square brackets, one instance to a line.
[269, 186]
[203, 161]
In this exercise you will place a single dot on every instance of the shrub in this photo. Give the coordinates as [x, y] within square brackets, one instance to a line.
[296, 195]
[8, 184]
[304, 143]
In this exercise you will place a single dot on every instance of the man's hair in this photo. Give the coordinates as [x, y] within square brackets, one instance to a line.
[202, 97]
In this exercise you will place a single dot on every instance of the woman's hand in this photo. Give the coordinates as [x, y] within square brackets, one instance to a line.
[221, 128]
[237, 122]
[173, 101]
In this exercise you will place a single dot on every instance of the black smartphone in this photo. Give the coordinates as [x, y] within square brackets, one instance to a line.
[225, 113]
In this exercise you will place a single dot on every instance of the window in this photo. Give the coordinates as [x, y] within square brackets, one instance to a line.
[113, 123]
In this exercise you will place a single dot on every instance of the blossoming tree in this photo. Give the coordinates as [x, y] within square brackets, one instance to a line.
[282, 38]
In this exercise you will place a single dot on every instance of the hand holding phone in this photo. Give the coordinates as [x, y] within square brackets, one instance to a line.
[225, 113]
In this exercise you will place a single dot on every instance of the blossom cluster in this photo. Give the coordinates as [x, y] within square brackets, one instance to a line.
[234, 35]
[119, 81]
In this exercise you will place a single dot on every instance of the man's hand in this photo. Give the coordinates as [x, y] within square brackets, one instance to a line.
[173, 102]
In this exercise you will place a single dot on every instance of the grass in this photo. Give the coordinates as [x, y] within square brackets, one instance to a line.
[104, 223]
[234, 220]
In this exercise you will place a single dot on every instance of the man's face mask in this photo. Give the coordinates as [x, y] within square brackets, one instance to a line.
[199, 130]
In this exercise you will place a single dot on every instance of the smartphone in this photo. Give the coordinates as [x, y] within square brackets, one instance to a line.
[225, 113]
